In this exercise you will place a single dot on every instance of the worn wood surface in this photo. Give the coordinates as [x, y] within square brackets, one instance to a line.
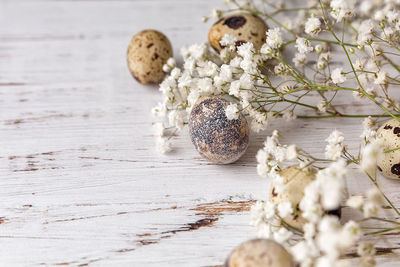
[81, 183]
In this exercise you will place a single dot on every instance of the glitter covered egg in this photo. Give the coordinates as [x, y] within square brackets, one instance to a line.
[215, 137]
[247, 28]
[260, 253]
[389, 162]
[148, 51]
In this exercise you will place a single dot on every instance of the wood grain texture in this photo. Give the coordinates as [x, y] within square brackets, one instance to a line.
[80, 181]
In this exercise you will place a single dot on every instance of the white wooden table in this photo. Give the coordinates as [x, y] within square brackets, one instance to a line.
[80, 180]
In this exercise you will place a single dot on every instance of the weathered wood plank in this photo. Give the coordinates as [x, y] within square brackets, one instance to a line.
[80, 180]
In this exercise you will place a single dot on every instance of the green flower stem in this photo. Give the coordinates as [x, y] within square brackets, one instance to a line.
[391, 150]
[380, 105]
[383, 231]
[331, 42]
[383, 194]
[391, 63]
[384, 220]
[343, 115]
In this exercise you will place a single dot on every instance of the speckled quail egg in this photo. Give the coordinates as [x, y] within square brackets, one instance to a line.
[244, 26]
[259, 253]
[296, 180]
[389, 135]
[215, 137]
[148, 51]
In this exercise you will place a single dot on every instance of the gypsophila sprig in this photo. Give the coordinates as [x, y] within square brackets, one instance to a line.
[312, 55]
[323, 239]
[266, 84]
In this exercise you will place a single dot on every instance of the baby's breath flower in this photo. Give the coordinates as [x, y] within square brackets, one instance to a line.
[280, 69]
[234, 88]
[274, 38]
[374, 196]
[266, 50]
[369, 126]
[335, 145]
[288, 115]
[158, 129]
[342, 9]
[355, 202]
[193, 97]
[313, 26]
[291, 152]
[370, 209]
[176, 119]
[380, 77]
[163, 145]
[262, 216]
[366, 7]
[331, 182]
[282, 235]
[393, 16]
[373, 203]
[303, 45]
[232, 111]
[205, 85]
[285, 209]
[246, 51]
[319, 48]
[322, 105]
[171, 63]
[337, 76]
[285, 87]
[159, 110]
[379, 15]
[350, 234]
[365, 32]
[299, 59]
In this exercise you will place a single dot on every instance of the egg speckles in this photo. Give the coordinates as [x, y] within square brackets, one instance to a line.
[259, 253]
[215, 137]
[296, 180]
[245, 27]
[148, 51]
[389, 135]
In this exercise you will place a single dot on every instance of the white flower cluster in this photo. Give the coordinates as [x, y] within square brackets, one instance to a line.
[325, 241]
[303, 47]
[265, 84]
[271, 157]
[337, 76]
[266, 216]
[335, 146]
[313, 26]
[234, 72]
[370, 127]
[369, 157]
[369, 206]
[342, 9]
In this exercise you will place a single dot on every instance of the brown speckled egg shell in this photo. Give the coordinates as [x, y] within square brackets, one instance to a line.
[148, 51]
[296, 180]
[244, 26]
[215, 137]
[259, 253]
[389, 135]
